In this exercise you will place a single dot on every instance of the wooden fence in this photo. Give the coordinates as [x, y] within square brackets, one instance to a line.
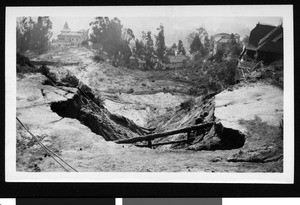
[151, 137]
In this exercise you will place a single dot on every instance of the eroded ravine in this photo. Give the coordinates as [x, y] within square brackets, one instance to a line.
[99, 120]
[76, 128]
[111, 127]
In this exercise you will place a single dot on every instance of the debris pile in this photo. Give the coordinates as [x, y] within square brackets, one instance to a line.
[252, 71]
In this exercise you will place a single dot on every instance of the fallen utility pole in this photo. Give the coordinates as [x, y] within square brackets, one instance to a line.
[164, 134]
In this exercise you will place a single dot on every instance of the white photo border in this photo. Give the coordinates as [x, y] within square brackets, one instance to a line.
[284, 11]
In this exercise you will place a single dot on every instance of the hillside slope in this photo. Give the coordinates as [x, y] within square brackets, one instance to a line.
[246, 136]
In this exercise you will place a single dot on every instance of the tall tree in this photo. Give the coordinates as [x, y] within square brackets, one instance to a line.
[41, 34]
[234, 47]
[160, 43]
[203, 35]
[206, 46]
[174, 46]
[170, 51]
[24, 31]
[108, 33]
[196, 45]
[201, 32]
[149, 46]
[181, 49]
[34, 36]
[140, 49]
[113, 38]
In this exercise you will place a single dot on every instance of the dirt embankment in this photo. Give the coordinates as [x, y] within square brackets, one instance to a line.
[75, 124]
[256, 109]
[88, 108]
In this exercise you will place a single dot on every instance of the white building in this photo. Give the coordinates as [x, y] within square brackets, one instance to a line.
[71, 38]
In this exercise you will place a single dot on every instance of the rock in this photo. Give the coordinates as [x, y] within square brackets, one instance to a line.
[130, 91]
[256, 75]
[33, 98]
[217, 159]
[211, 141]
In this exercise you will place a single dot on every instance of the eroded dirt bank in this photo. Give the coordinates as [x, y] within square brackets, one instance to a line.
[136, 103]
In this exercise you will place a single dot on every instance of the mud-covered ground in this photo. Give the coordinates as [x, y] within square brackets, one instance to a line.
[135, 101]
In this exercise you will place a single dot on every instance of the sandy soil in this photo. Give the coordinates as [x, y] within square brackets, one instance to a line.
[153, 94]
[248, 101]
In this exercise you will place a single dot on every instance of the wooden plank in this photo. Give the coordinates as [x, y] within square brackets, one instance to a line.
[149, 144]
[164, 134]
[163, 143]
[188, 136]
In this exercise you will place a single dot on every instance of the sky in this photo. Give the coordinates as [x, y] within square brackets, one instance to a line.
[176, 28]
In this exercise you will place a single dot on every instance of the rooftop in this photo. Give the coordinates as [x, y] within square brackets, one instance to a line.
[178, 58]
[220, 35]
[259, 32]
[69, 34]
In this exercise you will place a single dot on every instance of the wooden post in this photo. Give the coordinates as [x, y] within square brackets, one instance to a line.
[149, 144]
[189, 137]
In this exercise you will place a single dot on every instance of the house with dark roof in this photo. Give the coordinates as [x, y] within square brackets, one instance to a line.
[271, 46]
[177, 61]
[265, 43]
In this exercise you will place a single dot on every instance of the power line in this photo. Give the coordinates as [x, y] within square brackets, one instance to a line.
[51, 153]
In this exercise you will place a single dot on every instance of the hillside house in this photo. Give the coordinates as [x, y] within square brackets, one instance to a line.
[177, 61]
[220, 41]
[265, 43]
[69, 38]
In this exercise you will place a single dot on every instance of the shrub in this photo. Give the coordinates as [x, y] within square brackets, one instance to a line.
[193, 91]
[46, 72]
[188, 104]
[24, 65]
[71, 80]
[97, 58]
[25, 69]
[100, 57]
[215, 77]
[214, 86]
[198, 57]
[99, 101]
[218, 56]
